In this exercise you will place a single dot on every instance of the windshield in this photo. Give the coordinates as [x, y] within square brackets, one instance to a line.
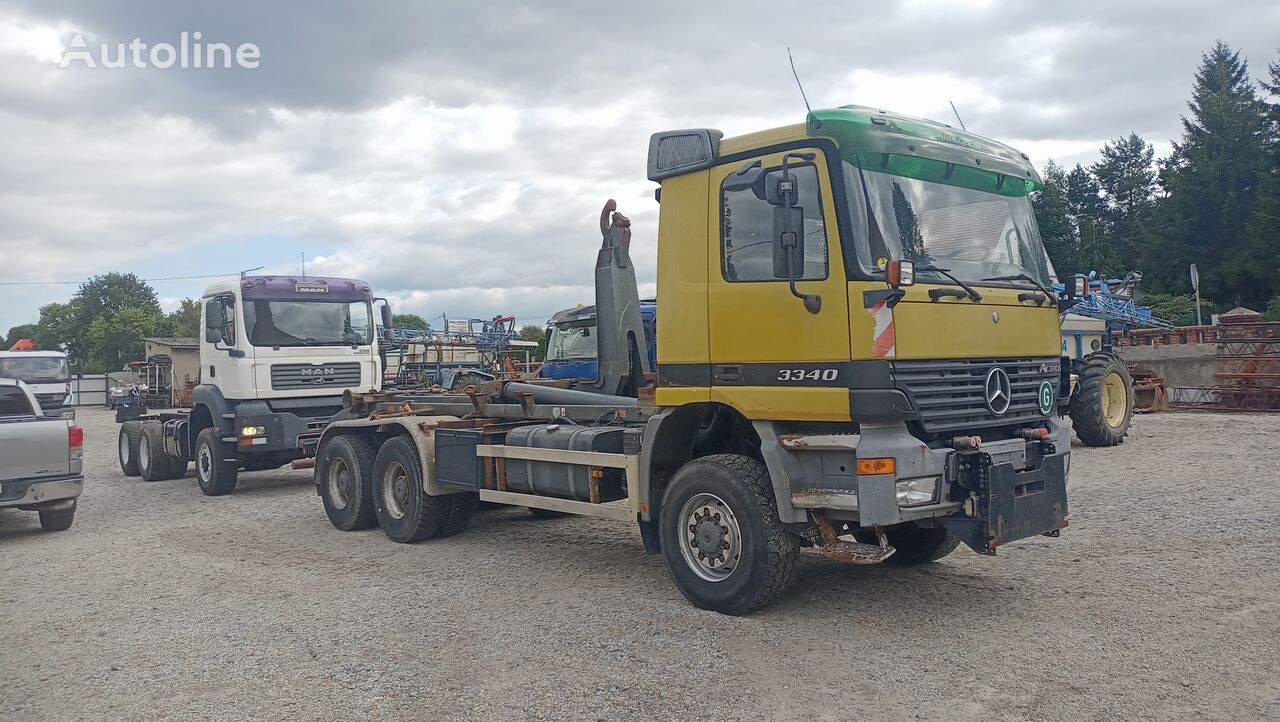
[972, 233]
[36, 369]
[576, 343]
[307, 323]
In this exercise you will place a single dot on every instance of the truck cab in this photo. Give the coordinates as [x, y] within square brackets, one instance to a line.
[571, 341]
[277, 354]
[46, 373]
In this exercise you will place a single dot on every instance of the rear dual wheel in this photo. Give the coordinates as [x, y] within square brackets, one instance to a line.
[127, 447]
[154, 463]
[404, 510]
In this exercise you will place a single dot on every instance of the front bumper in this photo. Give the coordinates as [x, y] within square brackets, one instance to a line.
[34, 494]
[999, 493]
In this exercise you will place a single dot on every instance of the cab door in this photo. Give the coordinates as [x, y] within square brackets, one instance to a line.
[771, 358]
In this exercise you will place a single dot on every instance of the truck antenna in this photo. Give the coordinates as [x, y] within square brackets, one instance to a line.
[808, 110]
[250, 270]
[304, 264]
[961, 122]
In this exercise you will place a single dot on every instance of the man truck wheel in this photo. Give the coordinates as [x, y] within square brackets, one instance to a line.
[1101, 408]
[721, 537]
[915, 545]
[127, 447]
[344, 470]
[58, 519]
[216, 476]
[153, 463]
[406, 513]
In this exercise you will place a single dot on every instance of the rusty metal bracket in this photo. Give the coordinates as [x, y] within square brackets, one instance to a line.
[849, 552]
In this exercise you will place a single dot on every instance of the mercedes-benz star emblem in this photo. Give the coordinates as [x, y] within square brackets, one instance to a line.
[997, 391]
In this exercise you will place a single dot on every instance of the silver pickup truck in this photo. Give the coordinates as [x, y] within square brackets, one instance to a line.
[41, 458]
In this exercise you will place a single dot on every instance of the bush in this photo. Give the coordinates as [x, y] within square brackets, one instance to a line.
[1177, 310]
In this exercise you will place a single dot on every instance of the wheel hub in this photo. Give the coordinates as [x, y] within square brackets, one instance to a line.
[339, 484]
[205, 463]
[713, 539]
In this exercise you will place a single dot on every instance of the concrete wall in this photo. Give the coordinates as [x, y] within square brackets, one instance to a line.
[1180, 365]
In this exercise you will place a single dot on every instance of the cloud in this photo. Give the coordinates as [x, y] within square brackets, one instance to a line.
[456, 156]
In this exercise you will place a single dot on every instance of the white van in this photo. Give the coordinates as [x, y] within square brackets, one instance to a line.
[46, 373]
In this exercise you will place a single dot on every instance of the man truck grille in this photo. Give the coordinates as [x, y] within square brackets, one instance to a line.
[309, 376]
[950, 395]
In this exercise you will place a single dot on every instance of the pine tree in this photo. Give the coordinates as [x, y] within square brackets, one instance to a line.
[1126, 176]
[1089, 215]
[1212, 181]
[1262, 238]
[1053, 217]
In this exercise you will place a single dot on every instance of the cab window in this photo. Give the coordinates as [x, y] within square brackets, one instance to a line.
[746, 229]
[228, 326]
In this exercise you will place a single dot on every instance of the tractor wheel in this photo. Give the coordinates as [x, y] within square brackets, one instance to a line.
[1102, 406]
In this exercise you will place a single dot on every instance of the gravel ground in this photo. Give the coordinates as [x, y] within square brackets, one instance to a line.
[1161, 601]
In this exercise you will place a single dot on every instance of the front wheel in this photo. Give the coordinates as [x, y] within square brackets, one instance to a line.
[724, 545]
[216, 475]
[914, 545]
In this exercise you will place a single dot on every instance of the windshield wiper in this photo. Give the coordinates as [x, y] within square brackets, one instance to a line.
[973, 293]
[1048, 292]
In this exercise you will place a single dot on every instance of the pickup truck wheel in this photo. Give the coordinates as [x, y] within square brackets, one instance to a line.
[127, 447]
[216, 476]
[406, 513]
[722, 540]
[58, 520]
[153, 463]
[344, 471]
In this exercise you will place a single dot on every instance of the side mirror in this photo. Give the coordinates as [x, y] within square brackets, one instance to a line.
[1078, 287]
[213, 335]
[387, 327]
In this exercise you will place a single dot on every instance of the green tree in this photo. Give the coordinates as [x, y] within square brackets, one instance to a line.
[182, 323]
[410, 320]
[17, 333]
[1126, 176]
[59, 329]
[1260, 254]
[110, 293]
[116, 339]
[1212, 182]
[539, 334]
[1273, 310]
[1054, 218]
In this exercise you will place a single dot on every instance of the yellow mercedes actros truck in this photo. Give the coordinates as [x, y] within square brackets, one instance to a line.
[858, 354]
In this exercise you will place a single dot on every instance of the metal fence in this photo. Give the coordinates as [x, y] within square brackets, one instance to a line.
[89, 390]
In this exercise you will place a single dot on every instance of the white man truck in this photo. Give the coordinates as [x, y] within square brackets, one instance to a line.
[276, 356]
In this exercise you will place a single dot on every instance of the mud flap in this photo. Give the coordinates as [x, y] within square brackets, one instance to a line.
[1007, 505]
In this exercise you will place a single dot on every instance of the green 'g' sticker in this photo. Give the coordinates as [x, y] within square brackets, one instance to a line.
[1046, 397]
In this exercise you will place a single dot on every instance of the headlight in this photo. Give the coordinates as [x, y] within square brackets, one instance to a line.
[914, 492]
[253, 431]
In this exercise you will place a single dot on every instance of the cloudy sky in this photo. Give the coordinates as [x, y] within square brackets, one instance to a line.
[456, 155]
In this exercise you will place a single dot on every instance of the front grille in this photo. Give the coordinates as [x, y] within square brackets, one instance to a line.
[311, 376]
[948, 394]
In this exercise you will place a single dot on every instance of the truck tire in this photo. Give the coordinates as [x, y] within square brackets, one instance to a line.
[723, 505]
[127, 447]
[58, 519]
[914, 545]
[153, 463]
[406, 513]
[1101, 408]
[344, 473]
[216, 476]
[464, 505]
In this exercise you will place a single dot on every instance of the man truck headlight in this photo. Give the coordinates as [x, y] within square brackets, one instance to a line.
[253, 431]
[914, 492]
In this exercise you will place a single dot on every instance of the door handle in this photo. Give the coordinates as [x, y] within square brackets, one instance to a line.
[727, 374]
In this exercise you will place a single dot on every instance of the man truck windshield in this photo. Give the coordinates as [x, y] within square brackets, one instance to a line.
[36, 369]
[974, 234]
[308, 323]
